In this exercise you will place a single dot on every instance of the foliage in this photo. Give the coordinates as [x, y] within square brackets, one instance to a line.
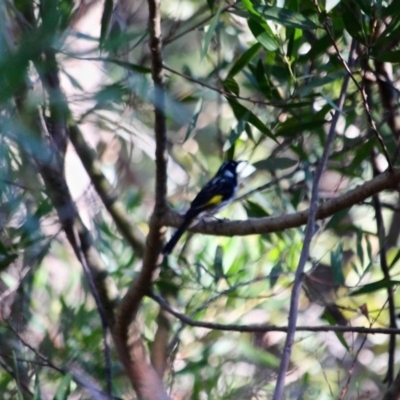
[254, 80]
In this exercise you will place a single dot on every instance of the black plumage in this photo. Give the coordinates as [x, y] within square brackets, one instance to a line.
[215, 195]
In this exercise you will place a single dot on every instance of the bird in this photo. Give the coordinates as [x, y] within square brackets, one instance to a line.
[215, 195]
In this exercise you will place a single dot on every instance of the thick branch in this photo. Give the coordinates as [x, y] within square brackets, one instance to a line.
[252, 226]
[144, 377]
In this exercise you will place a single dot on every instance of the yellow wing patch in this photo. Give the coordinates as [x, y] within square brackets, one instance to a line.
[214, 200]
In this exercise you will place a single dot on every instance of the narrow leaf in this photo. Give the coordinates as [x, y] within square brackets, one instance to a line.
[328, 316]
[285, 17]
[210, 32]
[37, 394]
[375, 286]
[263, 34]
[319, 82]
[333, 104]
[240, 111]
[293, 127]
[273, 164]
[391, 57]
[218, 263]
[351, 22]
[395, 259]
[254, 210]
[105, 20]
[64, 388]
[193, 121]
[337, 266]
[244, 59]
[276, 271]
[231, 86]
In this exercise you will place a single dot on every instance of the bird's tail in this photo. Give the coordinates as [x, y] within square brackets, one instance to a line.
[176, 236]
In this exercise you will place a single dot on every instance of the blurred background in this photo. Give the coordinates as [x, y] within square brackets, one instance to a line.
[246, 80]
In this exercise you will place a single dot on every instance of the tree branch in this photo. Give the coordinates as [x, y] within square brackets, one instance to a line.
[145, 379]
[253, 226]
[310, 230]
[265, 327]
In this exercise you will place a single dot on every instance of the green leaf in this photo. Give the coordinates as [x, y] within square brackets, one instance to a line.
[7, 260]
[365, 5]
[334, 221]
[248, 5]
[337, 266]
[193, 121]
[210, 32]
[328, 316]
[240, 111]
[64, 388]
[319, 82]
[391, 57]
[130, 66]
[244, 59]
[395, 259]
[110, 93]
[273, 164]
[375, 286]
[254, 210]
[262, 82]
[240, 127]
[3, 249]
[262, 32]
[17, 376]
[231, 86]
[360, 250]
[211, 4]
[72, 80]
[286, 17]
[332, 104]
[37, 394]
[351, 22]
[105, 20]
[293, 126]
[256, 355]
[275, 273]
[218, 263]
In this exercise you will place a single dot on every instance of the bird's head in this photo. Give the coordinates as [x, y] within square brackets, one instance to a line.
[229, 168]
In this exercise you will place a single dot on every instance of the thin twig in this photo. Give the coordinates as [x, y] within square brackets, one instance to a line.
[46, 362]
[386, 273]
[310, 230]
[102, 313]
[223, 92]
[360, 89]
[265, 327]
[268, 185]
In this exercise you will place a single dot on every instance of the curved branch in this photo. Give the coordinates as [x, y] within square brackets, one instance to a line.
[251, 226]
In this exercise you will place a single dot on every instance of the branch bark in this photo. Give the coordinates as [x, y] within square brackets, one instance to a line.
[144, 377]
[255, 226]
